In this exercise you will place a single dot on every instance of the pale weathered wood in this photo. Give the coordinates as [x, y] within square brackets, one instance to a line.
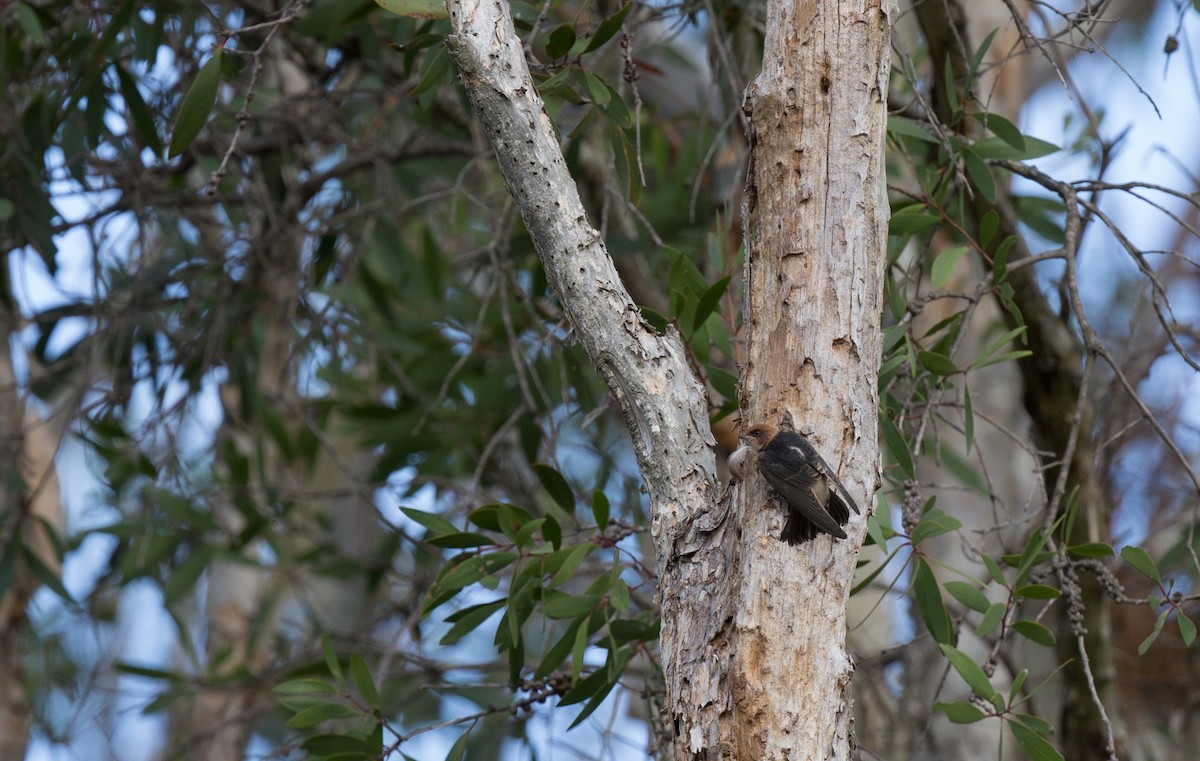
[816, 238]
[662, 400]
[779, 611]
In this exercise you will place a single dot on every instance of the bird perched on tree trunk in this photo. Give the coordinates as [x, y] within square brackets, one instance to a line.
[817, 501]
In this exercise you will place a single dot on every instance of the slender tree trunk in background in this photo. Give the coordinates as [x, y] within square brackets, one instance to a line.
[242, 600]
[30, 508]
[15, 718]
[816, 248]
[1056, 398]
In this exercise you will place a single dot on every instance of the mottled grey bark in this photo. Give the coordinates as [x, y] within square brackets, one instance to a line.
[713, 653]
[816, 242]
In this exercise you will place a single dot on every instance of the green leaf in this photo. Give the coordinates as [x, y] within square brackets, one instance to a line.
[560, 42]
[458, 751]
[977, 58]
[595, 702]
[585, 688]
[980, 175]
[960, 712]
[997, 344]
[331, 660]
[570, 606]
[988, 227]
[488, 516]
[950, 89]
[1034, 745]
[436, 524]
[361, 677]
[1011, 356]
[336, 746]
[1039, 592]
[524, 537]
[1003, 129]
[996, 148]
[30, 25]
[556, 486]
[1034, 632]
[151, 673]
[1141, 562]
[1158, 625]
[460, 574]
[938, 364]
[619, 596]
[1032, 554]
[578, 648]
[183, 578]
[560, 649]
[991, 619]
[969, 595]
[933, 523]
[434, 70]
[567, 561]
[615, 110]
[142, 118]
[314, 715]
[1035, 723]
[911, 220]
[598, 91]
[608, 27]
[899, 125]
[966, 473]
[1017, 684]
[994, 570]
[43, 573]
[1187, 630]
[897, 446]
[1092, 550]
[929, 603]
[971, 672]
[552, 532]
[600, 508]
[708, 301]
[723, 381]
[469, 619]
[196, 106]
[944, 263]
[460, 540]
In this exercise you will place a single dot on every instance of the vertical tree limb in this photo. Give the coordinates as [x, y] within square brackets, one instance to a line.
[816, 240]
[662, 400]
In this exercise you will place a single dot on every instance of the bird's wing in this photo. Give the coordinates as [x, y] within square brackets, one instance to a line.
[796, 487]
[835, 484]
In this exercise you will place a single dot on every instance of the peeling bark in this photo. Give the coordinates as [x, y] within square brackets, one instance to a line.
[788, 642]
[816, 242]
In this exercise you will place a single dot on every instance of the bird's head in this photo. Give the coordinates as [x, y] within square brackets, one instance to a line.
[760, 435]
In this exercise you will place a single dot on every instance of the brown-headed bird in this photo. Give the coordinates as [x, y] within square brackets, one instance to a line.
[817, 501]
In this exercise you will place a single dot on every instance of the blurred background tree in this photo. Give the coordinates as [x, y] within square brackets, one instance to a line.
[332, 475]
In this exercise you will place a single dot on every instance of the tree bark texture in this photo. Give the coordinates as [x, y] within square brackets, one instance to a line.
[31, 522]
[754, 666]
[662, 400]
[816, 251]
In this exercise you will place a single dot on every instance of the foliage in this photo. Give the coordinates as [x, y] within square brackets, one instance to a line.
[319, 350]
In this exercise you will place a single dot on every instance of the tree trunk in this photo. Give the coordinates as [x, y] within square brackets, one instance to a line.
[816, 242]
[754, 665]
